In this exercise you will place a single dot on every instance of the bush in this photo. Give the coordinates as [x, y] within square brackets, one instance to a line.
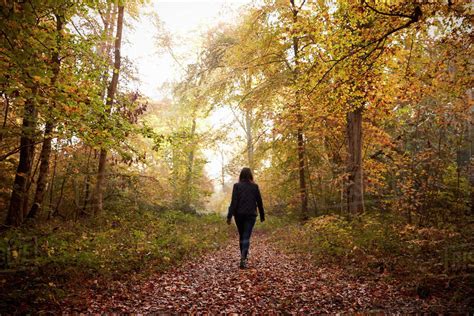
[117, 242]
[50, 254]
[373, 241]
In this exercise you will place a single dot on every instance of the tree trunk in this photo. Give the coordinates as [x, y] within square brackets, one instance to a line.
[97, 201]
[248, 132]
[77, 206]
[354, 188]
[303, 191]
[471, 149]
[222, 169]
[189, 172]
[106, 46]
[30, 180]
[87, 185]
[27, 147]
[61, 192]
[301, 169]
[42, 181]
[51, 187]
[5, 118]
[312, 192]
[111, 90]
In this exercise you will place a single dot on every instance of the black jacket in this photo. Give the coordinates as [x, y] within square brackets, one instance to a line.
[245, 199]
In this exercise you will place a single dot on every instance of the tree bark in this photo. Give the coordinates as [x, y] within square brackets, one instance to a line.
[111, 90]
[29, 181]
[190, 167]
[221, 151]
[302, 172]
[106, 46]
[303, 191]
[248, 132]
[5, 118]
[27, 147]
[42, 181]
[471, 149]
[247, 121]
[354, 188]
[51, 187]
[61, 192]
[86, 185]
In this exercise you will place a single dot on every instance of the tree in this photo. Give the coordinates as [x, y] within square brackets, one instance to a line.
[111, 91]
[27, 76]
[45, 154]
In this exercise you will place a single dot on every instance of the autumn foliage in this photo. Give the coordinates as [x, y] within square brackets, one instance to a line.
[356, 118]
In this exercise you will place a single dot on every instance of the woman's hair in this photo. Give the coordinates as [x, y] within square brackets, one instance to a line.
[246, 175]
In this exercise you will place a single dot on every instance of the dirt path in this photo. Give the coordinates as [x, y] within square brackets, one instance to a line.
[274, 283]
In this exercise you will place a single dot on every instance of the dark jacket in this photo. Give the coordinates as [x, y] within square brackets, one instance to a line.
[245, 199]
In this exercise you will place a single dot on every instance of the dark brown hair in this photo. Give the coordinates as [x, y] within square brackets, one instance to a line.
[246, 175]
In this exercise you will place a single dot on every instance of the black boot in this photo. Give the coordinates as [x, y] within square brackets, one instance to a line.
[243, 263]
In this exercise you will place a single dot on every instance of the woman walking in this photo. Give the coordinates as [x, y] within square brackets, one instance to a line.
[245, 200]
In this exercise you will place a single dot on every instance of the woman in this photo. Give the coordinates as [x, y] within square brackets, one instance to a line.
[245, 200]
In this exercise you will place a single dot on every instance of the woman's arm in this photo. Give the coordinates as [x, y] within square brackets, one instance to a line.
[233, 203]
[260, 205]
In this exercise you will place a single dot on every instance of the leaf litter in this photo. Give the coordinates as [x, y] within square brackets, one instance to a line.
[274, 283]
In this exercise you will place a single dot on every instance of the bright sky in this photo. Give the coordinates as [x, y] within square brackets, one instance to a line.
[185, 20]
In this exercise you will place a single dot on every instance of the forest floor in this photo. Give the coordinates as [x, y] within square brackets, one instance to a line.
[275, 282]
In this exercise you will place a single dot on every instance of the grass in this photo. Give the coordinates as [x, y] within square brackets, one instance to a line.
[40, 261]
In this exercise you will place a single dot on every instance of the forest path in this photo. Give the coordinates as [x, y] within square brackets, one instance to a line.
[275, 282]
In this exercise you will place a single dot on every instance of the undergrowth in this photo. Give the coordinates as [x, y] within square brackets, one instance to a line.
[40, 261]
[427, 259]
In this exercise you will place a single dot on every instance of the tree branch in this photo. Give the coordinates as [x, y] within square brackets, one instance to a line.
[400, 15]
[413, 19]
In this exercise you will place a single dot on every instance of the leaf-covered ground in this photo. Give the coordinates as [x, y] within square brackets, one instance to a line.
[274, 283]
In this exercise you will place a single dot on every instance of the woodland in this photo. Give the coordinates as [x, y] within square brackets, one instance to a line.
[356, 118]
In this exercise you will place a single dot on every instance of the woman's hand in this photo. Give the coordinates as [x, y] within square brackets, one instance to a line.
[262, 219]
[228, 221]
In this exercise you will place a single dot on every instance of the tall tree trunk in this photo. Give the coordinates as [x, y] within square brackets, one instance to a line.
[221, 151]
[303, 191]
[471, 147]
[190, 168]
[112, 89]
[97, 200]
[61, 191]
[106, 46]
[354, 188]
[27, 147]
[249, 135]
[311, 188]
[42, 181]
[87, 184]
[5, 118]
[29, 182]
[302, 172]
[51, 187]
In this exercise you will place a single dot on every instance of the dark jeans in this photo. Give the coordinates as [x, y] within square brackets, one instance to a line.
[244, 225]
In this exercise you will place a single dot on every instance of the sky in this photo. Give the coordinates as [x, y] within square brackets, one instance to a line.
[185, 21]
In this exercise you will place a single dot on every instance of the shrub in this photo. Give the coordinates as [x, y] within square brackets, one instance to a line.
[110, 246]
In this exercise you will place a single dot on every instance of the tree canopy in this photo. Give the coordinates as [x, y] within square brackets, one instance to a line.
[342, 110]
